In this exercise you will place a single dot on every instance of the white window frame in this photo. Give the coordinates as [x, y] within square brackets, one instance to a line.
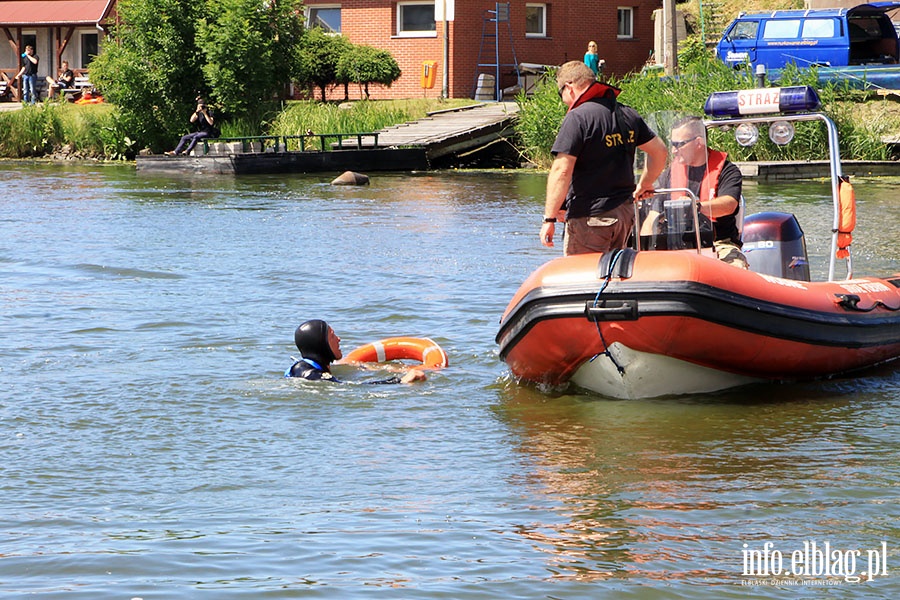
[629, 25]
[310, 7]
[414, 33]
[543, 25]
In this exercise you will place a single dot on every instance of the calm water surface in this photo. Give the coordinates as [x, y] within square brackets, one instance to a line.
[149, 447]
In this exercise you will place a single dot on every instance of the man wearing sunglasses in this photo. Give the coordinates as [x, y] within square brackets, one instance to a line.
[715, 180]
[593, 167]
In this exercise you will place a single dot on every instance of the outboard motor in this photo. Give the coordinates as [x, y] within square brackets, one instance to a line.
[774, 245]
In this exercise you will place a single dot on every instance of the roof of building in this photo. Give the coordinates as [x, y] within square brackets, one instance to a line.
[47, 13]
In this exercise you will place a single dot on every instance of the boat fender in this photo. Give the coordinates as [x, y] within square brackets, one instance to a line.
[425, 350]
[847, 217]
[618, 263]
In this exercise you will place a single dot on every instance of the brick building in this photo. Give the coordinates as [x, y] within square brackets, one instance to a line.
[480, 36]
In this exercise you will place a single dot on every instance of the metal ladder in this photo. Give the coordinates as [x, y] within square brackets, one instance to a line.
[490, 28]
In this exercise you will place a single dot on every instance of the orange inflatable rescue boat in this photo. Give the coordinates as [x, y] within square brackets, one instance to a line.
[645, 323]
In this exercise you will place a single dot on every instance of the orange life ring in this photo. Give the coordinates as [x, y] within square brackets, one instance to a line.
[424, 350]
[89, 98]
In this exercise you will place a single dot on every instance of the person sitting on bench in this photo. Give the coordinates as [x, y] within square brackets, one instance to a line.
[65, 80]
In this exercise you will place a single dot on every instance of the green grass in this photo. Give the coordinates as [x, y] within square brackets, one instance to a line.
[95, 131]
[860, 137]
[354, 117]
[89, 131]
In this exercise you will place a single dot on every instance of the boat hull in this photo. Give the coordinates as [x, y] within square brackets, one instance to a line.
[677, 322]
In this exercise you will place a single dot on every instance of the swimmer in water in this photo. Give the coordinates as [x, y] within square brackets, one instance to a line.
[320, 346]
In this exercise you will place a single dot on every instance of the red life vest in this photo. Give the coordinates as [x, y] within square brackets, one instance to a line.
[715, 160]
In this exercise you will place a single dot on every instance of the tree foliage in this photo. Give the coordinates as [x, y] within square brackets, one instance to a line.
[249, 53]
[364, 65]
[153, 71]
[318, 59]
[238, 53]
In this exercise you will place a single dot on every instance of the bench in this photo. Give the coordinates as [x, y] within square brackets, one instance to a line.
[78, 86]
[5, 91]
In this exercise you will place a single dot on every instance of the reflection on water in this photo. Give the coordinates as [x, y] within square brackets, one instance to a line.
[152, 449]
[670, 489]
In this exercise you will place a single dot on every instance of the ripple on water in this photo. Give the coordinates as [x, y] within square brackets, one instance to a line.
[151, 448]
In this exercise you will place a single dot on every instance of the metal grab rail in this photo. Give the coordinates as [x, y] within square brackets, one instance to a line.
[322, 137]
[280, 143]
[695, 202]
[244, 140]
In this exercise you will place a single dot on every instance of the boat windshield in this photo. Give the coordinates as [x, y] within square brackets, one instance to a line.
[670, 220]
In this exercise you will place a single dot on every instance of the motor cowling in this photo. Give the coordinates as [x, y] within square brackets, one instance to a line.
[774, 245]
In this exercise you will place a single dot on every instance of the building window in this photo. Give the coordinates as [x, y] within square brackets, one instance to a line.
[535, 20]
[415, 19]
[29, 39]
[326, 17]
[625, 22]
[89, 49]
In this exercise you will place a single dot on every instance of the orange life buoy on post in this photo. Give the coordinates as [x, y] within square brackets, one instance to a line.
[424, 350]
[846, 218]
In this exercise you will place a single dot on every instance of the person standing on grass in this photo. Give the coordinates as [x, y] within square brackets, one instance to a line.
[591, 58]
[28, 73]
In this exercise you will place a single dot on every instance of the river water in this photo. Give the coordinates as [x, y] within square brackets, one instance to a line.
[150, 447]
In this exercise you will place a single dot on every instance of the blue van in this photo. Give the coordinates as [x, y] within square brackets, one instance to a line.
[828, 37]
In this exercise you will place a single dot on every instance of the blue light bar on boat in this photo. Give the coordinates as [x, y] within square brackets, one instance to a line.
[801, 98]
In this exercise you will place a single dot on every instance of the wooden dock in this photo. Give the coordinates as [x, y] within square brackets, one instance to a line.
[453, 131]
[815, 169]
[413, 146]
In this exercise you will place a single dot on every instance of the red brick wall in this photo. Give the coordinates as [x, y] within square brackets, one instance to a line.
[570, 24]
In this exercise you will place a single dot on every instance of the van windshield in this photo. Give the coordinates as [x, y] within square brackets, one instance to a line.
[744, 30]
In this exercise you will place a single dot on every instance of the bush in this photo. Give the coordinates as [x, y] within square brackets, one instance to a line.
[153, 72]
[539, 117]
[541, 114]
[249, 54]
[364, 65]
[90, 131]
[317, 59]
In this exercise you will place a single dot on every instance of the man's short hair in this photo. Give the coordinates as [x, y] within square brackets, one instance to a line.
[576, 72]
[694, 126]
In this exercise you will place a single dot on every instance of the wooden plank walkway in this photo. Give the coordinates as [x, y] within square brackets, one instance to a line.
[451, 131]
[407, 147]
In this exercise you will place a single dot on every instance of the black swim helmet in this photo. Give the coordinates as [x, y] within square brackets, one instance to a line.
[312, 342]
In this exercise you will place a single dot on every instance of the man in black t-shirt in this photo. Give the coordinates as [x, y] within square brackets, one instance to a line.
[65, 80]
[593, 172]
[28, 73]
